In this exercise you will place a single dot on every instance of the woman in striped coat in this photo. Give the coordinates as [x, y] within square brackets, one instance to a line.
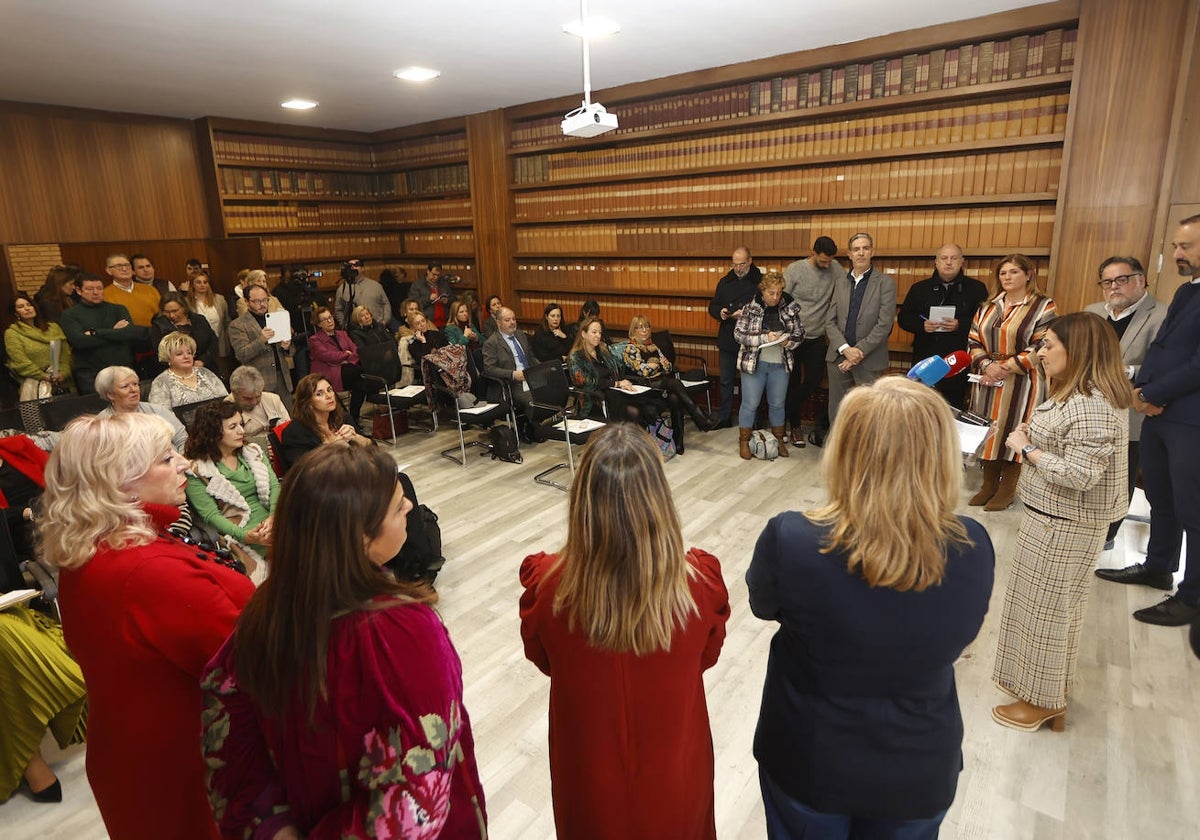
[1003, 344]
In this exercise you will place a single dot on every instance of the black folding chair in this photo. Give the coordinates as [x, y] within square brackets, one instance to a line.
[444, 398]
[552, 392]
[695, 379]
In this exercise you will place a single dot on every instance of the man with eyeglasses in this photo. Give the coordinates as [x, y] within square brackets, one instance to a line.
[100, 333]
[1135, 317]
[924, 312]
[252, 343]
[734, 290]
[142, 301]
[1167, 391]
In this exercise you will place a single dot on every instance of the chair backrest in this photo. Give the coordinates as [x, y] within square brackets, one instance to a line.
[275, 447]
[548, 384]
[60, 411]
[666, 345]
[187, 412]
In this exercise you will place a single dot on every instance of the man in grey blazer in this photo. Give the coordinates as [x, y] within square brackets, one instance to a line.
[506, 354]
[250, 338]
[1135, 316]
[859, 323]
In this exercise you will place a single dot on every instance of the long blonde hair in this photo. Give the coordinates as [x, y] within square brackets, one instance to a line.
[893, 471]
[624, 580]
[88, 503]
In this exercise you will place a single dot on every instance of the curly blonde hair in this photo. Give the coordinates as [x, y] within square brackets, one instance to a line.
[88, 502]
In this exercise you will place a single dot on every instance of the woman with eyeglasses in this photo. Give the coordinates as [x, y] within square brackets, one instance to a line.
[1003, 345]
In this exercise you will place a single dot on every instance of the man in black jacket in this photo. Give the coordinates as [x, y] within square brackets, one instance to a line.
[734, 291]
[938, 336]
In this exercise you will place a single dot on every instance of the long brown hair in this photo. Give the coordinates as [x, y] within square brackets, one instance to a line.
[894, 476]
[624, 580]
[1094, 362]
[1026, 265]
[579, 345]
[302, 407]
[319, 570]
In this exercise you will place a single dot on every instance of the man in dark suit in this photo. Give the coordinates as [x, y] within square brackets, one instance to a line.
[506, 355]
[859, 322]
[1167, 391]
[1135, 316]
[733, 291]
[933, 336]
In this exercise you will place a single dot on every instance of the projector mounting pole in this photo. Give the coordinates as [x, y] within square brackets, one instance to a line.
[587, 58]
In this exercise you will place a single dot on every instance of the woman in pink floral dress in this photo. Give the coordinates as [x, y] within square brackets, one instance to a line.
[335, 708]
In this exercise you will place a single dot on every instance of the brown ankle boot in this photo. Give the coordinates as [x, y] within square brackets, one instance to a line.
[782, 438]
[744, 443]
[1007, 492]
[991, 480]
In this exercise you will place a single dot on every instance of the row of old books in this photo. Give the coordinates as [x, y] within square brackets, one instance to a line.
[1018, 57]
[998, 119]
[291, 152]
[459, 242]
[997, 227]
[292, 249]
[247, 218]
[1022, 171]
[238, 181]
[700, 277]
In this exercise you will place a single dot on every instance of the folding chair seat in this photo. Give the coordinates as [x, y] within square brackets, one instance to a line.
[459, 403]
[552, 391]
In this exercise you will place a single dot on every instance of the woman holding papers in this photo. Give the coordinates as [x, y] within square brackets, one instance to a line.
[31, 356]
[625, 621]
[768, 330]
[1073, 487]
[1003, 345]
[643, 357]
[593, 369]
[877, 592]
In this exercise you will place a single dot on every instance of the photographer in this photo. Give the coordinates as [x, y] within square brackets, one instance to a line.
[357, 289]
[434, 293]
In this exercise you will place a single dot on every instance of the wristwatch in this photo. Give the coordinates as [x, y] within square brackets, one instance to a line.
[1025, 450]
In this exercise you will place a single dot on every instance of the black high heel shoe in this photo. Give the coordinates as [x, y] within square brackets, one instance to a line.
[50, 793]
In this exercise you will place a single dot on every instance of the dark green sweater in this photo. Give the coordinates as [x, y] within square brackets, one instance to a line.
[106, 346]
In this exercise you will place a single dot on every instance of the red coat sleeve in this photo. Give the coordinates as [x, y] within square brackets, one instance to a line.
[712, 599]
[533, 569]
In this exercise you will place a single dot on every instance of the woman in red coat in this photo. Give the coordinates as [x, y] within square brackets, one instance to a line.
[624, 623]
[142, 613]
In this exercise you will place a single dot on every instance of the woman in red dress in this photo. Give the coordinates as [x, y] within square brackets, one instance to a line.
[624, 623]
[335, 710]
[142, 613]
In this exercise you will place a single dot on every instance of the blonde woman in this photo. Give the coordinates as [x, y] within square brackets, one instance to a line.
[624, 621]
[257, 277]
[183, 381]
[202, 300]
[142, 614]
[1073, 487]
[877, 592]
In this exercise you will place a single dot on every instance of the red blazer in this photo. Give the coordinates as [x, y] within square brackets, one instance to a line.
[143, 622]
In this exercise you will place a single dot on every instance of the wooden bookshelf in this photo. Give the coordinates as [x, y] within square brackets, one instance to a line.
[958, 142]
[321, 197]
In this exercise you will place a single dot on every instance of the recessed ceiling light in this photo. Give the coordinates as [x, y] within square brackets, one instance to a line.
[417, 74]
[593, 27]
[298, 104]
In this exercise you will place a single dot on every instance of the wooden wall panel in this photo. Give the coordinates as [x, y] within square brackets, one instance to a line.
[494, 237]
[1127, 67]
[73, 175]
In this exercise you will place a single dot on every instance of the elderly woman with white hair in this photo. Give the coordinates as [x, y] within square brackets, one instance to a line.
[142, 613]
[183, 381]
[120, 386]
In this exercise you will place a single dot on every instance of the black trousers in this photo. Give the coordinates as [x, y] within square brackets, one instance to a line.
[808, 368]
[1171, 475]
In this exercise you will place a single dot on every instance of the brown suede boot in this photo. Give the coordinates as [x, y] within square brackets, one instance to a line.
[1009, 473]
[991, 480]
[782, 438]
[744, 443]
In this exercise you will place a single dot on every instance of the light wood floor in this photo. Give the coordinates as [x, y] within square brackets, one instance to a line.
[1128, 765]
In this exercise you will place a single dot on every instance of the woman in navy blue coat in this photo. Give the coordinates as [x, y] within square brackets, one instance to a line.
[877, 594]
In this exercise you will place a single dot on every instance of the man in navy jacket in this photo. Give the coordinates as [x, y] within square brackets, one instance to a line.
[1167, 391]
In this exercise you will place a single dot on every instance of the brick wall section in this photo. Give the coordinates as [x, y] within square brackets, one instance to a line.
[30, 263]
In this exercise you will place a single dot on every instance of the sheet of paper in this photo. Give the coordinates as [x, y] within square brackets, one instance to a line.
[578, 427]
[779, 340]
[478, 408]
[17, 596]
[281, 322]
[941, 313]
[633, 389]
[408, 391]
[970, 436]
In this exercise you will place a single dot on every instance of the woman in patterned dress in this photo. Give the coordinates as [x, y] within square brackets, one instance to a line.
[1003, 345]
[1074, 487]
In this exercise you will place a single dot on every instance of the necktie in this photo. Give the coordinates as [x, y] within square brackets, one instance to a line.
[518, 353]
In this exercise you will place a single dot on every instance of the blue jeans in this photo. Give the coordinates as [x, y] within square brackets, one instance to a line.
[771, 377]
[788, 819]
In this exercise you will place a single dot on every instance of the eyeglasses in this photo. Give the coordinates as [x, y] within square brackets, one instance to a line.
[741, 264]
[120, 265]
[1119, 280]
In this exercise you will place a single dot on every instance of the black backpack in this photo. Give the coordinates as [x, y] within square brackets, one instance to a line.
[504, 444]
